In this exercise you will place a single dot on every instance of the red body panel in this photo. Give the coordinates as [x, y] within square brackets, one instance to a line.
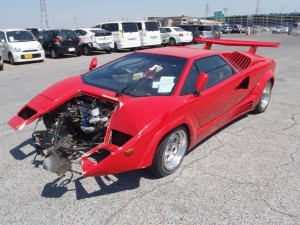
[149, 119]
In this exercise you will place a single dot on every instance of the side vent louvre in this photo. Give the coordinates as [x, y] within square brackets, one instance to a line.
[239, 60]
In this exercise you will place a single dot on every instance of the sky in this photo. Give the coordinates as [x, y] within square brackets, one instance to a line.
[87, 13]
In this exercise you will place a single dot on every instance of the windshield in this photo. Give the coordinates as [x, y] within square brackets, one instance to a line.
[20, 36]
[138, 75]
[68, 34]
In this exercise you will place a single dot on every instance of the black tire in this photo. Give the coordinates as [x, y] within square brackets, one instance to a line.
[78, 53]
[264, 99]
[11, 59]
[86, 50]
[108, 51]
[1, 67]
[170, 152]
[53, 54]
[172, 42]
[116, 47]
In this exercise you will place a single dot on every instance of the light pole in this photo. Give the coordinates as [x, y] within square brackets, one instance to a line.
[75, 21]
[281, 15]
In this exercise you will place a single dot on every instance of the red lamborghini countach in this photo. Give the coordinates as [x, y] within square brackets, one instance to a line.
[146, 109]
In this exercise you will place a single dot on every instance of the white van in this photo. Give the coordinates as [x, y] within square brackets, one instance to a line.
[125, 34]
[149, 33]
[20, 45]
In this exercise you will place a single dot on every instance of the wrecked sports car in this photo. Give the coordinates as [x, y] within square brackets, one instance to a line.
[146, 109]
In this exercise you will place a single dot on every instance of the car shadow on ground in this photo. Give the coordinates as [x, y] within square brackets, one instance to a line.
[61, 185]
[20, 154]
[107, 185]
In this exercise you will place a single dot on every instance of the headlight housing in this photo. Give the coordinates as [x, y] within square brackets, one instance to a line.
[40, 47]
[17, 49]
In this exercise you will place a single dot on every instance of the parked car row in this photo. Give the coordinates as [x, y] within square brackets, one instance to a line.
[237, 28]
[21, 45]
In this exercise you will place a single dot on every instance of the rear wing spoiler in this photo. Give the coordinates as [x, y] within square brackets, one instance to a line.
[252, 44]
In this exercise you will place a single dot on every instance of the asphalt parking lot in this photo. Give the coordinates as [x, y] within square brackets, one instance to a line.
[247, 173]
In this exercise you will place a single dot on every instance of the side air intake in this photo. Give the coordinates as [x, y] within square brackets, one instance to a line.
[239, 60]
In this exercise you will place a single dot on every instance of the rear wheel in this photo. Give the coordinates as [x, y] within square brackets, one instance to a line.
[11, 59]
[54, 54]
[170, 152]
[172, 41]
[264, 99]
[86, 50]
[1, 67]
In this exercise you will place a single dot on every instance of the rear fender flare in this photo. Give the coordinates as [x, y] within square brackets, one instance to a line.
[269, 75]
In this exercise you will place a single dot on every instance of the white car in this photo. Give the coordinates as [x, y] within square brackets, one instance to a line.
[95, 39]
[178, 35]
[20, 45]
[1, 60]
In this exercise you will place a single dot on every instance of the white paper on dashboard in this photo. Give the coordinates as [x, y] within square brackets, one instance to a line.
[166, 84]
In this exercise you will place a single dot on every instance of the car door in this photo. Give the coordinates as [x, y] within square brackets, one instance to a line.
[219, 96]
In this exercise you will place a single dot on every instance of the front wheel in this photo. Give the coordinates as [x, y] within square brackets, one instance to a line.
[11, 59]
[264, 99]
[170, 152]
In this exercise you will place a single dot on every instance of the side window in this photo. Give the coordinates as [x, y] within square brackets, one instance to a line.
[162, 30]
[2, 36]
[190, 82]
[80, 32]
[216, 68]
[168, 30]
[41, 36]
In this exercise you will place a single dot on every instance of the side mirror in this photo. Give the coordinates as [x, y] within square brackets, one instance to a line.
[2, 40]
[93, 64]
[200, 83]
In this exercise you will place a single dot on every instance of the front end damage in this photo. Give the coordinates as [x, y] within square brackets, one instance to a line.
[72, 130]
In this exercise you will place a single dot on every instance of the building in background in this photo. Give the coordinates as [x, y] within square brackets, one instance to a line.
[271, 19]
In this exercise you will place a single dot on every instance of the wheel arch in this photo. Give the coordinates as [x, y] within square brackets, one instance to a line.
[147, 160]
[268, 76]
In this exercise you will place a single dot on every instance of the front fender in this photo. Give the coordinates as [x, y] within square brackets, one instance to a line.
[162, 131]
